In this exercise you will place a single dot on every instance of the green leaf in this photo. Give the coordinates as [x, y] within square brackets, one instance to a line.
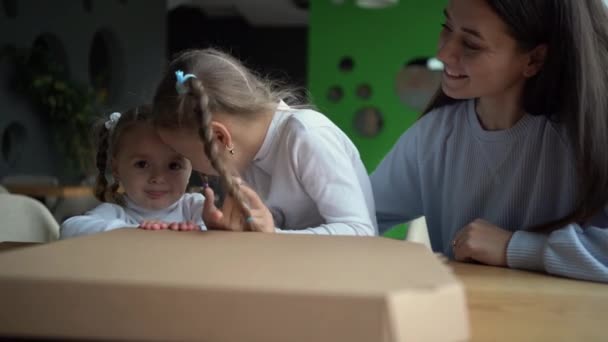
[60, 85]
[68, 105]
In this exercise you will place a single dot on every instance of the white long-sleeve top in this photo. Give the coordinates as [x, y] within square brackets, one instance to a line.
[311, 177]
[108, 216]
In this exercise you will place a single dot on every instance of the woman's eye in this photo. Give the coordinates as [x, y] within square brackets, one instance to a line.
[470, 46]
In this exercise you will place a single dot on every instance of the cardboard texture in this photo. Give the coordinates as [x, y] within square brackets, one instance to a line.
[131, 284]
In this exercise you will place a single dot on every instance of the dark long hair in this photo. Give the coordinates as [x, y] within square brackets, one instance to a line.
[572, 86]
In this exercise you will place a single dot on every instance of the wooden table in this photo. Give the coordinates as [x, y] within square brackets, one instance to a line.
[513, 305]
[62, 191]
[9, 245]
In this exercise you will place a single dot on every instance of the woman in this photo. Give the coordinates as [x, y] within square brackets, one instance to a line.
[508, 163]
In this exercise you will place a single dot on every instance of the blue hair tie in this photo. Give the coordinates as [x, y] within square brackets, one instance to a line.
[249, 219]
[181, 79]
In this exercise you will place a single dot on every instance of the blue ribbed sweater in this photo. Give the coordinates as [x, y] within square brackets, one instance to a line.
[447, 168]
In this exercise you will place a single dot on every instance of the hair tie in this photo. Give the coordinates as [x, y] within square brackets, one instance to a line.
[111, 123]
[181, 80]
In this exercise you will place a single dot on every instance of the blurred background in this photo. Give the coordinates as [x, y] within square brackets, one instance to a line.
[367, 65]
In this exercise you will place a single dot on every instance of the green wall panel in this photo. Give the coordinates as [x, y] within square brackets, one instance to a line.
[380, 43]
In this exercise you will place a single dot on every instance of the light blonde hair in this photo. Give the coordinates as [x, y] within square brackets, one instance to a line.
[222, 85]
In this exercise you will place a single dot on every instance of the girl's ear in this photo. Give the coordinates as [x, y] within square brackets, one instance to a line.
[221, 133]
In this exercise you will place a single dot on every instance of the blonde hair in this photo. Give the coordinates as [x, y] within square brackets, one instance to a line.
[222, 84]
[108, 144]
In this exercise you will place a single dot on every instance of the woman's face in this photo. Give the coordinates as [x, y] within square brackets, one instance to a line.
[480, 57]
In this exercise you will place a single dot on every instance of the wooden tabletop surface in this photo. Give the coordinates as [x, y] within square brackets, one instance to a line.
[512, 305]
[51, 190]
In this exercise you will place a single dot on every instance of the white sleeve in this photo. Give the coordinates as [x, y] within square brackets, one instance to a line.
[326, 172]
[102, 218]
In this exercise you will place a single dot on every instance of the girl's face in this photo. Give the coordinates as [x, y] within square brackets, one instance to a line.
[152, 174]
[480, 57]
[188, 143]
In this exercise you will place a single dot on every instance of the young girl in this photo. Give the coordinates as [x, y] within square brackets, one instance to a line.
[508, 164]
[225, 119]
[153, 176]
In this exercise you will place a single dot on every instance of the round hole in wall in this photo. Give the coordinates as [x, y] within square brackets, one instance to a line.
[301, 4]
[417, 82]
[364, 91]
[376, 4]
[49, 52]
[346, 64]
[335, 93]
[87, 5]
[10, 8]
[369, 122]
[106, 65]
[14, 137]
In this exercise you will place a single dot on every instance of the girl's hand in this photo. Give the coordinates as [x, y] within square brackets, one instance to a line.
[230, 217]
[153, 225]
[160, 225]
[183, 226]
[483, 242]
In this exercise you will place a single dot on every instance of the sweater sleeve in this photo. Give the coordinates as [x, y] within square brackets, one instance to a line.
[572, 251]
[327, 173]
[103, 218]
[396, 183]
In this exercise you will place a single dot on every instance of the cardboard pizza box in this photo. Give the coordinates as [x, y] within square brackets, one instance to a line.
[130, 284]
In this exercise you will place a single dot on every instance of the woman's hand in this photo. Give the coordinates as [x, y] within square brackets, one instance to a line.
[483, 242]
[230, 217]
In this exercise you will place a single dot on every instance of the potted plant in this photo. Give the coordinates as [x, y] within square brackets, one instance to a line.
[69, 107]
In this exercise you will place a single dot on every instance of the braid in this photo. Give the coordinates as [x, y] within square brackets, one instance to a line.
[101, 183]
[206, 134]
[115, 196]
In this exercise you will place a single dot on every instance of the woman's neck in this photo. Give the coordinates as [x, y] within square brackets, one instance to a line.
[497, 113]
